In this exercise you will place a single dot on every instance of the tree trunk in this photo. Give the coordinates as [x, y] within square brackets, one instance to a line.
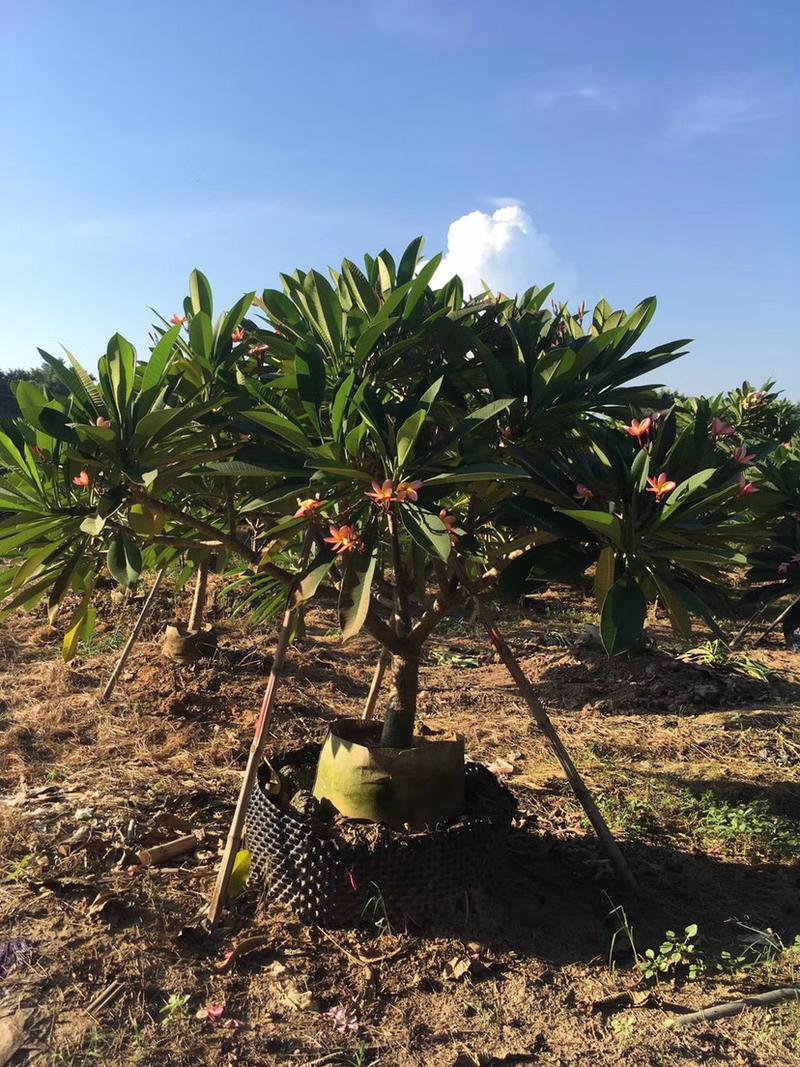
[398, 726]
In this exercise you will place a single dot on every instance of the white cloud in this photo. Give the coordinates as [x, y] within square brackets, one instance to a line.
[503, 249]
[724, 112]
[594, 95]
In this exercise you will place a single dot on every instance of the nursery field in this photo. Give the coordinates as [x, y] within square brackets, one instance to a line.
[695, 770]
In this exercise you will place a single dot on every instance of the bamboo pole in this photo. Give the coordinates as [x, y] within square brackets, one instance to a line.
[775, 623]
[220, 892]
[542, 719]
[375, 687]
[199, 599]
[137, 629]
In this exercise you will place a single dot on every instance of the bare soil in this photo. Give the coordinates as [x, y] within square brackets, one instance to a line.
[542, 969]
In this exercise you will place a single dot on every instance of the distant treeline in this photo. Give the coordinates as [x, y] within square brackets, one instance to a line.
[8, 379]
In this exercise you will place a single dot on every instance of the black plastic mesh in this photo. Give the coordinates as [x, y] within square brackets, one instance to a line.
[332, 883]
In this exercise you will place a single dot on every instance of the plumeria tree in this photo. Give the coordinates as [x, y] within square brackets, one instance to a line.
[104, 478]
[664, 510]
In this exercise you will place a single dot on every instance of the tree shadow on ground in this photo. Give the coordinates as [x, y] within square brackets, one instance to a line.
[557, 901]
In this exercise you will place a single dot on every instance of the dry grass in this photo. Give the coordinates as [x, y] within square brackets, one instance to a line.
[170, 747]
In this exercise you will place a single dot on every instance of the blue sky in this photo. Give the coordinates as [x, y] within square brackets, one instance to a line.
[631, 148]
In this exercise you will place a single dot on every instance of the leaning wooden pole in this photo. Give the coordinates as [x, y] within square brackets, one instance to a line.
[220, 893]
[123, 659]
[375, 688]
[542, 719]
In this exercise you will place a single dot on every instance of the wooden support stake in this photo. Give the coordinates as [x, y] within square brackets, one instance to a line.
[375, 688]
[542, 719]
[220, 893]
[123, 659]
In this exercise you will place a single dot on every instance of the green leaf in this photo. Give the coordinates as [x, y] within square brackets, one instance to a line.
[124, 560]
[240, 874]
[471, 423]
[201, 335]
[419, 285]
[78, 625]
[62, 583]
[687, 488]
[154, 369]
[679, 617]
[605, 524]
[366, 342]
[407, 436]
[427, 530]
[477, 472]
[309, 366]
[355, 593]
[604, 574]
[409, 260]
[362, 293]
[339, 406]
[326, 310]
[317, 571]
[623, 616]
[31, 399]
[200, 294]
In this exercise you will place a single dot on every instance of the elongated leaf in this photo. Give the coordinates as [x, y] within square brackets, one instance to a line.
[61, 584]
[419, 285]
[478, 472]
[317, 572]
[370, 337]
[623, 616]
[472, 422]
[309, 367]
[339, 406]
[355, 594]
[409, 259]
[407, 437]
[201, 335]
[603, 523]
[679, 617]
[604, 575]
[362, 293]
[153, 374]
[326, 310]
[426, 530]
[200, 294]
[31, 398]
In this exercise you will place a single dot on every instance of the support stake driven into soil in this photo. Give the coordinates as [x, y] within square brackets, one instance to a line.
[541, 717]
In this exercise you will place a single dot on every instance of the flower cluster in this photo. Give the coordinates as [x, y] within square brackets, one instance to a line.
[386, 494]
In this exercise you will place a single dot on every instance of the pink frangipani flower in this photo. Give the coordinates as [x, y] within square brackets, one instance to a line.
[661, 486]
[639, 430]
[343, 538]
[743, 458]
[408, 491]
[583, 493]
[383, 495]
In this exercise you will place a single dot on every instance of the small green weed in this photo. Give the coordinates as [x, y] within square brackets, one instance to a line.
[375, 910]
[746, 830]
[626, 815]
[174, 1009]
[714, 654]
[624, 1026]
[676, 957]
[440, 657]
[18, 869]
